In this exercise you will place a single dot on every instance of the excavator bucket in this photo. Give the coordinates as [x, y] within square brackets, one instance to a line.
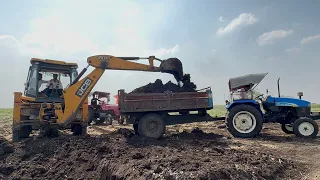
[174, 67]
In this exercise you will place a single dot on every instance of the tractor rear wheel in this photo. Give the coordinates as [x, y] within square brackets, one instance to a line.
[305, 127]
[244, 121]
[287, 128]
[152, 126]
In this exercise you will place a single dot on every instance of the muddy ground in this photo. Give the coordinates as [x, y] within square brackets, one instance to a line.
[190, 151]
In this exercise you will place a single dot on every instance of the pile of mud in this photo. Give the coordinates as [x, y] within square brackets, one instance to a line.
[159, 87]
[122, 155]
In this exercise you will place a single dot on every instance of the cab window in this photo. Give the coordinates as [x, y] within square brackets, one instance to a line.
[31, 85]
[47, 76]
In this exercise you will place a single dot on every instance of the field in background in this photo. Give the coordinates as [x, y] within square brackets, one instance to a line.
[5, 115]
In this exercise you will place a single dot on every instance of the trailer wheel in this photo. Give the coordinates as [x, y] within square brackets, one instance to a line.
[244, 121]
[287, 128]
[305, 127]
[152, 126]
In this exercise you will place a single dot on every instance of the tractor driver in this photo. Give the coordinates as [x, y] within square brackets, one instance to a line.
[94, 101]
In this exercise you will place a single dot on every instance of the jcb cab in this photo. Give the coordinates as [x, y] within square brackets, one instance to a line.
[42, 103]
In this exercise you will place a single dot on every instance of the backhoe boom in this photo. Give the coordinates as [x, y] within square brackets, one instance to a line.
[78, 91]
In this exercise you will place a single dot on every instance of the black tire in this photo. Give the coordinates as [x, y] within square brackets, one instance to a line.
[202, 112]
[158, 126]
[250, 110]
[108, 120]
[286, 129]
[306, 124]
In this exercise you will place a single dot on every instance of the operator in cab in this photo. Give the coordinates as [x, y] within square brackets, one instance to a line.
[54, 86]
[54, 83]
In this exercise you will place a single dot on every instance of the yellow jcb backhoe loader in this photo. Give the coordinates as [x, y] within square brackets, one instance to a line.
[54, 107]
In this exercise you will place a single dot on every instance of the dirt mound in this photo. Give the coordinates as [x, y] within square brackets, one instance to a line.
[120, 155]
[5, 147]
[159, 87]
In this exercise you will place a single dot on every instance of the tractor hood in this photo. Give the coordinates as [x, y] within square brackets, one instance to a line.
[248, 80]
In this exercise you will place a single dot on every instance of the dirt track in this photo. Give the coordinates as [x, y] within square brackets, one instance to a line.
[113, 152]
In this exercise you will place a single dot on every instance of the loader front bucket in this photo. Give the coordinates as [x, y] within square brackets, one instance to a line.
[174, 67]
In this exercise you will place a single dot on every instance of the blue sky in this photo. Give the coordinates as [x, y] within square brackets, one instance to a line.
[215, 40]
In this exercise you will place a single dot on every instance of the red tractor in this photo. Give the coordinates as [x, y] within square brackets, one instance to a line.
[100, 111]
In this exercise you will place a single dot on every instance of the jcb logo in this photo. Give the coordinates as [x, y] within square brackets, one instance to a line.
[103, 57]
[85, 85]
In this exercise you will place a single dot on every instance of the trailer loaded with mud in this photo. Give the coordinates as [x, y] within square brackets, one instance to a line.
[151, 112]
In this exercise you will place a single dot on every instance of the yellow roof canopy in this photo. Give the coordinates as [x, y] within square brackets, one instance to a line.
[49, 61]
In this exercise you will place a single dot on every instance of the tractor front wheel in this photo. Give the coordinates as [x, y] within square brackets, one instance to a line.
[108, 119]
[287, 128]
[305, 127]
[244, 121]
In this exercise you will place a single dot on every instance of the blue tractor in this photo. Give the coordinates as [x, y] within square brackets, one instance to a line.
[247, 111]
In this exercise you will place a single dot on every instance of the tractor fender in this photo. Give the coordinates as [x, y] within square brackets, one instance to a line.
[247, 102]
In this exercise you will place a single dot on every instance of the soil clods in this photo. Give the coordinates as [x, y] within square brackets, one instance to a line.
[159, 87]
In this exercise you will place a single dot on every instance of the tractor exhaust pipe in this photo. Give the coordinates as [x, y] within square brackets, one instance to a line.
[278, 88]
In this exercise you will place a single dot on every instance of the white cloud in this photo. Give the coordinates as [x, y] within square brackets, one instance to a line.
[51, 35]
[166, 53]
[8, 41]
[293, 50]
[272, 36]
[221, 19]
[310, 39]
[242, 20]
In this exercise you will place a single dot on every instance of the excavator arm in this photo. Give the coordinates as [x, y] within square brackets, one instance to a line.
[78, 91]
